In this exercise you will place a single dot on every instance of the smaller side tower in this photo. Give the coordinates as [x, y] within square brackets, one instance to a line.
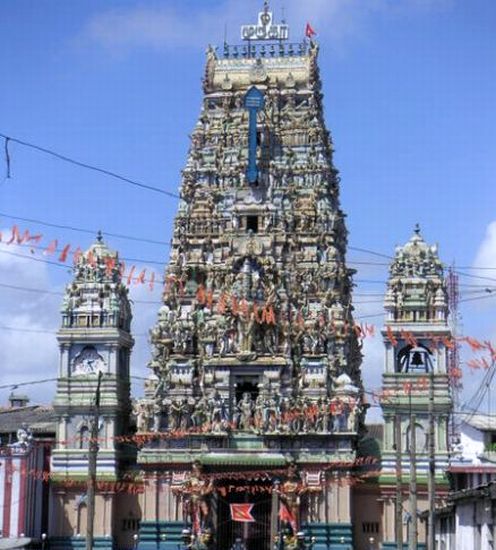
[416, 338]
[94, 337]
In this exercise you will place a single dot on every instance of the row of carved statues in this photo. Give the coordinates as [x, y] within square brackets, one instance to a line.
[269, 413]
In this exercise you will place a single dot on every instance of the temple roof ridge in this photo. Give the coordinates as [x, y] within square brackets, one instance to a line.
[100, 249]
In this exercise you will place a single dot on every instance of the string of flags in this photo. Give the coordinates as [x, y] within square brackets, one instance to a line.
[136, 485]
[262, 313]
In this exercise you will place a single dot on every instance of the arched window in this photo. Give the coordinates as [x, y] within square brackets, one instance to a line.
[84, 437]
[416, 359]
[420, 439]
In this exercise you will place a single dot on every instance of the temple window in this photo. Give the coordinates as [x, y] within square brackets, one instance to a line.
[414, 359]
[252, 223]
[84, 437]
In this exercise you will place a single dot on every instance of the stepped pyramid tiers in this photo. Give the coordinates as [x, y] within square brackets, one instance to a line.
[94, 337]
[416, 338]
[255, 361]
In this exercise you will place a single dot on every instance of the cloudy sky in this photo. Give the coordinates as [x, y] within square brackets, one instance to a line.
[409, 97]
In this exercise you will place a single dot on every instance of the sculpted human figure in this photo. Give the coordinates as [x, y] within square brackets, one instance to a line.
[290, 491]
[246, 325]
[141, 412]
[196, 492]
[217, 413]
[245, 412]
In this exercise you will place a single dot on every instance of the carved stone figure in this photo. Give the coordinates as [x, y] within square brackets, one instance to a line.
[196, 492]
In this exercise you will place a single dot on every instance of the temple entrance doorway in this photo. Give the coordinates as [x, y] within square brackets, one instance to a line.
[246, 384]
[255, 535]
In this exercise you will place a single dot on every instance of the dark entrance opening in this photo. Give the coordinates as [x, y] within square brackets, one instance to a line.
[247, 385]
[255, 535]
[252, 223]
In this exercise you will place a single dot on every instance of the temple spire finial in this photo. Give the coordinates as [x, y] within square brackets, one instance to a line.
[417, 229]
[99, 236]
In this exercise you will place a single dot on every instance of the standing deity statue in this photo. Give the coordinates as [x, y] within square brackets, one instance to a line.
[246, 324]
[290, 491]
[245, 412]
[196, 492]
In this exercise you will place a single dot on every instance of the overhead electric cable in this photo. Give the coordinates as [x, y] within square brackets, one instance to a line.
[82, 230]
[88, 166]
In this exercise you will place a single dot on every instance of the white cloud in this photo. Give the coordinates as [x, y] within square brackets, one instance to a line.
[165, 27]
[373, 354]
[29, 320]
[486, 254]
[30, 351]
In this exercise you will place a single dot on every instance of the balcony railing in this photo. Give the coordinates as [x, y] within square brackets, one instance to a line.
[260, 50]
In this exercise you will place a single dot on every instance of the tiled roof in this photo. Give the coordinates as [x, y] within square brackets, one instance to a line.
[40, 419]
[481, 422]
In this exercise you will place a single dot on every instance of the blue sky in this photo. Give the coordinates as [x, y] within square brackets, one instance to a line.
[409, 98]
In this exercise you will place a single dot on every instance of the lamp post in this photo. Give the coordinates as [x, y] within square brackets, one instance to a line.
[43, 540]
[371, 543]
[135, 539]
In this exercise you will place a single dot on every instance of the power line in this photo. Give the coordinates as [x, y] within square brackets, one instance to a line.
[53, 332]
[32, 382]
[59, 293]
[83, 230]
[88, 166]
[475, 276]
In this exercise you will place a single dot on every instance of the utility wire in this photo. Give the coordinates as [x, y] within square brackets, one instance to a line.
[59, 293]
[54, 332]
[88, 166]
[82, 230]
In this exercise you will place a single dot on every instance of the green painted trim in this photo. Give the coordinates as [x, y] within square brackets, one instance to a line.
[79, 543]
[160, 535]
[330, 536]
[80, 477]
[393, 546]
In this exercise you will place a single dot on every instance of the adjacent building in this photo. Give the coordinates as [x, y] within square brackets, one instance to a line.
[27, 434]
[468, 520]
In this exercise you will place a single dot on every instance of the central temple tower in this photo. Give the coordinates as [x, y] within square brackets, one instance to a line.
[255, 396]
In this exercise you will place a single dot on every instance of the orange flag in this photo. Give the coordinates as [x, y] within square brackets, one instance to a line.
[64, 253]
[130, 275]
[15, 235]
[51, 248]
[109, 265]
[151, 281]
[140, 279]
[242, 513]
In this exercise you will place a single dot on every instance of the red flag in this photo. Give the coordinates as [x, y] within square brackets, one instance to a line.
[64, 253]
[152, 280]
[77, 255]
[91, 259]
[109, 265]
[140, 279]
[286, 516]
[130, 275]
[391, 337]
[309, 32]
[15, 235]
[51, 248]
[242, 513]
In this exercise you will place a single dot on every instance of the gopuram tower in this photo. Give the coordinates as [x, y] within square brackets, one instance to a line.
[254, 406]
[417, 338]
